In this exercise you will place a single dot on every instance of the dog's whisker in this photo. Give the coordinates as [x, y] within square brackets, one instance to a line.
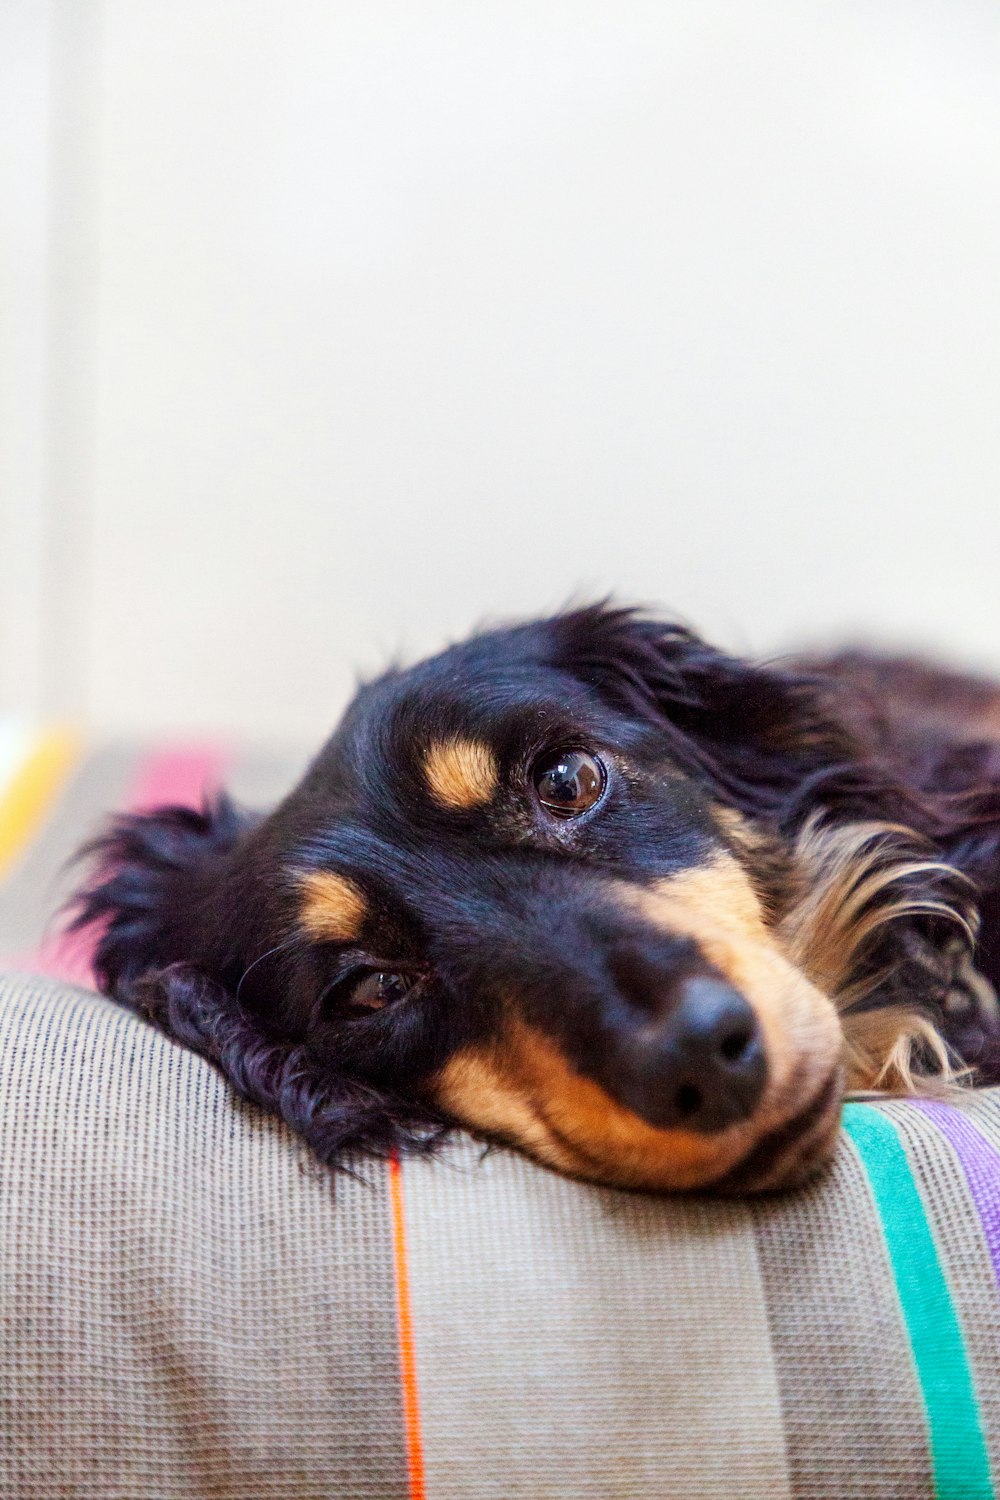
[295, 940]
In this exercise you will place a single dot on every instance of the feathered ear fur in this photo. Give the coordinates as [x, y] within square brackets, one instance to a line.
[861, 893]
[158, 882]
[761, 736]
[174, 933]
[332, 1113]
[886, 928]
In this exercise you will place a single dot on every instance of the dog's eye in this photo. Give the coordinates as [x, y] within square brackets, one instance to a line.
[569, 783]
[364, 991]
[378, 989]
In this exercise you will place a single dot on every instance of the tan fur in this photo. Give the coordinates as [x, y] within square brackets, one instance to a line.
[879, 1048]
[833, 893]
[737, 829]
[852, 881]
[461, 773]
[763, 855]
[479, 1086]
[717, 906]
[333, 908]
[846, 875]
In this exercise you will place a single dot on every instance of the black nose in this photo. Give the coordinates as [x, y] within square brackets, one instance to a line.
[701, 1066]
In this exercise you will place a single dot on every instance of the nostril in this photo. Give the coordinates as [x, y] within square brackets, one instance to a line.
[736, 1043]
[698, 1062]
[687, 1100]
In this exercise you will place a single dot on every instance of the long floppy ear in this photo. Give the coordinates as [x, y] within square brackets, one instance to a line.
[177, 929]
[846, 851]
[333, 1113]
[157, 883]
[771, 739]
[762, 736]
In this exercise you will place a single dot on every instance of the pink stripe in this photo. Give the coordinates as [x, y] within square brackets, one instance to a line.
[179, 775]
[63, 955]
[182, 775]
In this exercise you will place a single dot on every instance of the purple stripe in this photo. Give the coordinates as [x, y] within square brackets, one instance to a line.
[980, 1163]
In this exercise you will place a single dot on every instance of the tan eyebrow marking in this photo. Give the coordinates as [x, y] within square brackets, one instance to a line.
[461, 773]
[333, 908]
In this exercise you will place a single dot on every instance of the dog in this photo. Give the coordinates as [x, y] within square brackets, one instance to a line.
[591, 887]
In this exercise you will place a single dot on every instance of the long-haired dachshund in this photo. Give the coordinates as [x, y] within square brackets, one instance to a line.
[589, 886]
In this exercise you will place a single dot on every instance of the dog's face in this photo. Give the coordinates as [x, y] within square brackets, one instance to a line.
[502, 896]
[532, 885]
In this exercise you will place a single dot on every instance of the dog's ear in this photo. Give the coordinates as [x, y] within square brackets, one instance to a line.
[172, 902]
[762, 736]
[333, 1112]
[159, 885]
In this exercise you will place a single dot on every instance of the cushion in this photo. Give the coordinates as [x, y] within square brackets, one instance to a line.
[192, 1306]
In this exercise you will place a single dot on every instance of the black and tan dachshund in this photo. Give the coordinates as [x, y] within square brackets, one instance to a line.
[592, 887]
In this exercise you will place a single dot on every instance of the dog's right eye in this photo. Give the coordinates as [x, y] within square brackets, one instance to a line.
[379, 989]
[569, 783]
[364, 991]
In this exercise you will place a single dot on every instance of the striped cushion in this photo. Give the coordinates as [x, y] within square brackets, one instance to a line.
[192, 1307]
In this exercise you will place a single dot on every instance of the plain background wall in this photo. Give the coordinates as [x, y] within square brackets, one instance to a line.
[334, 328]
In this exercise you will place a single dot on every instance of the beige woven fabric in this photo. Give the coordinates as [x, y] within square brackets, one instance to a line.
[191, 1307]
[624, 1335]
[963, 1252]
[188, 1308]
[854, 1420]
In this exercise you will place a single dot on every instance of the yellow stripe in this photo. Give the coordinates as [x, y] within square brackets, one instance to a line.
[32, 791]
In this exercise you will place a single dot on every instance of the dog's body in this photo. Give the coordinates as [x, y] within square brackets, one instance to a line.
[592, 887]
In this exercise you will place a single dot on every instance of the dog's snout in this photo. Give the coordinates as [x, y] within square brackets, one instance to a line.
[701, 1065]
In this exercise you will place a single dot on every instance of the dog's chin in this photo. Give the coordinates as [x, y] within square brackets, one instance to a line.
[570, 1123]
[791, 1154]
[780, 1158]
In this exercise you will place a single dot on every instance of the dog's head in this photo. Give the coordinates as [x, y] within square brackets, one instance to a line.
[585, 885]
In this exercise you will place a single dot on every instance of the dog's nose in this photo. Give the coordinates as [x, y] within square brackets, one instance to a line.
[701, 1066]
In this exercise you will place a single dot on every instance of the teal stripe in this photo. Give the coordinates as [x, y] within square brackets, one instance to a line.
[959, 1459]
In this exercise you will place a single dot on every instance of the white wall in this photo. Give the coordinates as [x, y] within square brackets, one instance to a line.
[380, 318]
[25, 105]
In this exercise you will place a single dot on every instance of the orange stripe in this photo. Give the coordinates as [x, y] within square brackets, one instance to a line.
[404, 1323]
[31, 793]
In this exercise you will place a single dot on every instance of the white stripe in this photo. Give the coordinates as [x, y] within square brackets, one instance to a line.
[568, 1350]
[17, 740]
